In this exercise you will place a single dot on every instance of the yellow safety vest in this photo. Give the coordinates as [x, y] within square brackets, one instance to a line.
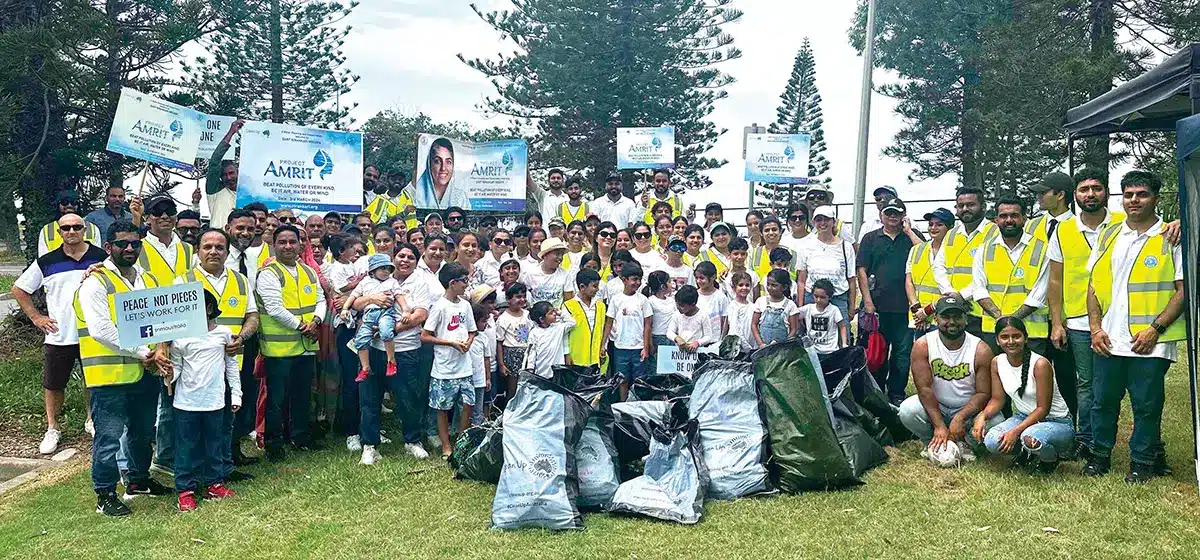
[587, 338]
[1075, 252]
[711, 255]
[370, 246]
[673, 200]
[920, 258]
[564, 212]
[101, 365]
[91, 234]
[1151, 283]
[232, 301]
[690, 260]
[403, 202]
[760, 262]
[960, 256]
[1009, 283]
[157, 266]
[300, 299]
[380, 209]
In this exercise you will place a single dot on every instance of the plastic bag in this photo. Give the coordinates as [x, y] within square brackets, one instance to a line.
[587, 382]
[674, 486]
[596, 459]
[539, 483]
[660, 387]
[851, 362]
[479, 453]
[633, 428]
[733, 436]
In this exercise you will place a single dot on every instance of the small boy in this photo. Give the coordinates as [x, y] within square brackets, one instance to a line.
[680, 273]
[379, 280]
[203, 374]
[586, 339]
[739, 251]
[451, 329]
[616, 285]
[629, 316]
[781, 259]
[547, 341]
[483, 349]
[689, 329]
[823, 322]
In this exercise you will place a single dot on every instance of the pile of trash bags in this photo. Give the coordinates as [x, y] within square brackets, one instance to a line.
[780, 420]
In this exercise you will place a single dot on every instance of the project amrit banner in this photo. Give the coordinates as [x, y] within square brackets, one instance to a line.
[777, 158]
[646, 148]
[470, 175]
[215, 128]
[151, 129]
[307, 169]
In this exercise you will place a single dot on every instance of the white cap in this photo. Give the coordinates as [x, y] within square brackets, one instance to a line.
[826, 211]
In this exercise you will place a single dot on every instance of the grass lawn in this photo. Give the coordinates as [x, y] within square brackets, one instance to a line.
[324, 505]
[6, 283]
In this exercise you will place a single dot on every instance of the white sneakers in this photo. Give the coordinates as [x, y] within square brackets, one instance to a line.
[90, 428]
[416, 450]
[353, 444]
[370, 455]
[49, 441]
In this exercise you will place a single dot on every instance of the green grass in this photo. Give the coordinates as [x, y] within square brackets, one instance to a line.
[21, 396]
[324, 505]
[6, 283]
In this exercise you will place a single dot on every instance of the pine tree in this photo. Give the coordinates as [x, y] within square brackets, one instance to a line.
[800, 112]
[284, 64]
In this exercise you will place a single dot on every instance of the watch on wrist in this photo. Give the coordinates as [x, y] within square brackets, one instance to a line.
[1158, 328]
[914, 307]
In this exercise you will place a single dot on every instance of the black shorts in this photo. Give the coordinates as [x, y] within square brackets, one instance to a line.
[59, 361]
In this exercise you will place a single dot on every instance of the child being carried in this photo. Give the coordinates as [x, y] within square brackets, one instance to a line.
[383, 320]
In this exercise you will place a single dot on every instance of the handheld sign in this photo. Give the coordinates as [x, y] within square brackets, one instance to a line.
[777, 158]
[646, 148]
[673, 360]
[156, 131]
[214, 131]
[160, 314]
[298, 168]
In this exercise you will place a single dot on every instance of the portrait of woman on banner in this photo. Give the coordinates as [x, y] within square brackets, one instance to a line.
[435, 188]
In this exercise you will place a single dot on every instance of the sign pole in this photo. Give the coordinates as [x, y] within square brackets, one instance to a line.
[864, 120]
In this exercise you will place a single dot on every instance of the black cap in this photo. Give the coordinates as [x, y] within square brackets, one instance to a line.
[162, 200]
[942, 214]
[1054, 181]
[886, 189]
[713, 207]
[951, 303]
[895, 205]
[613, 176]
[67, 196]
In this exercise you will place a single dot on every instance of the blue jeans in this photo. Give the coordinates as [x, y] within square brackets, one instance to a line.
[289, 382]
[406, 390]
[1144, 378]
[424, 366]
[245, 418]
[1081, 346]
[198, 450]
[894, 374]
[225, 465]
[164, 437]
[380, 319]
[628, 364]
[123, 409]
[348, 363]
[913, 416]
[1052, 437]
[477, 412]
[772, 326]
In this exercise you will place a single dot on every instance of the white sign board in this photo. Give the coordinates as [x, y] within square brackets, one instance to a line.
[298, 168]
[777, 158]
[151, 129]
[214, 131]
[160, 314]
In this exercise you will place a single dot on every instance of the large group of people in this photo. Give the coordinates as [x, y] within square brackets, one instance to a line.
[1048, 321]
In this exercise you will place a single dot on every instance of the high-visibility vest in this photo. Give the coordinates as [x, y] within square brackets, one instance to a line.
[380, 209]
[690, 260]
[370, 246]
[920, 258]
[101, 365]
[403, 202]
[673, 200]
[300, 299]
[564, 212]
[1009, 283]
[232, 301]
[152, 262]
[1075, 252]
[760, 262]
[52, 240]
[960, 256]
[587, 338]
[1151, 283]
[711, 255]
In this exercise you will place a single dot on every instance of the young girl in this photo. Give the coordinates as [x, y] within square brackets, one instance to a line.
[824, 322]
[576, 235]
[510, 273]
[547, 341]
[644, 252]
[483, 350]
[689, 330]
[658, 290]
[1040, 431]
[712, 301]
[741, 310]
[775, 314]
[512, 336]
[624, 241]
[375, 318]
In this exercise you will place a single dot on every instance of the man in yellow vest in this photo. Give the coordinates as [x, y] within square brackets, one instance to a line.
[1135, 298]
[402, 201]
[239, 312]
[292, 308]
[661, 193]
[1010, 277]
[247, 260]
[376, 203]
[123, 397]
[49, 238]
[952, 268]
[575, 208]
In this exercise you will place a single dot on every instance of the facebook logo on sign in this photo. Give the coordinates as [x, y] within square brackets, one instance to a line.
[147, 331]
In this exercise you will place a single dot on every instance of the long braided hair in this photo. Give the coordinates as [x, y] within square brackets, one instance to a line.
[1026, 354]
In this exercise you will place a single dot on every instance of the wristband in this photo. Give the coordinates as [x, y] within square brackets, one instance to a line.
[1158, 328]
[914, 307]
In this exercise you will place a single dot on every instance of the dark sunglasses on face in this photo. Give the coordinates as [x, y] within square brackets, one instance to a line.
[459, 279]
[289, 220]
[606, 235]
[502, 241]
[642, 235]
[123, 244]
[796, 217]
[72, 227]
[454, 219]
[814, 196]
[160, 212]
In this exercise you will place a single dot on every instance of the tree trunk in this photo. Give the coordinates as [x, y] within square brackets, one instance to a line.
[972, 172]
[1101, 34]
[276, 33]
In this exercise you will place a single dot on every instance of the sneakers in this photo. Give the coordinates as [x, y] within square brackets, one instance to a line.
[1139, 473]
[416, 450]
[218, 491]
[1083, 451]
[1160, 467]
[362, 375]
[187, 501]
[49, 441]
[150, 488]
[109, 505]
[370, 455]
[353, 444]
[1096, 466]
[162, 469]
[90, 428]
[391, 369]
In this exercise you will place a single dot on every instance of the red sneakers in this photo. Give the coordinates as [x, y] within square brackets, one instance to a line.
[391, 369]
[187, 501]
[362, 375]
[218, 491]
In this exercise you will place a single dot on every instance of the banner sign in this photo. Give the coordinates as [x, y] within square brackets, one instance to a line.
[646, 148]
[215, 130]
[157, 131]
[777, 158]
[160, 314]
[307, 169]
[470, 175]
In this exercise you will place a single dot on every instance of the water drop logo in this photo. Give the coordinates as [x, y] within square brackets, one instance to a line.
[789, 152]
[507, 160]
[323, 162]
[656, 142]
[176, 129]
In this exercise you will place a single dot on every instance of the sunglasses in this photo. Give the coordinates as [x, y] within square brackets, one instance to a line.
[459, 279]
[290, 220]
[796, 217]
[72, 227]
[643, 235]
[158, 213]
[606, 234]
[502, 241]
[454, 218]
[814, 196]
[123, 244]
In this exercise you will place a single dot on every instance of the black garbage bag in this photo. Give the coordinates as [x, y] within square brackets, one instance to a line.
[733, 435]
[805, 450]
[596, 459]
[852, 362]
[660, 387]
[633, 428]
[857, 430]
[588, 382]
[479, 453]
[676, 479]
[539, 483]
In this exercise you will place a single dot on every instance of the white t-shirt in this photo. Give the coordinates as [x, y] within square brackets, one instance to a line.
[610, 288]
[60, 276]
[622, 212]
[203, 371]
[416, 295]
[483, 346]
[692, 329]
[682, 275]
[551, 203]
[1010, 378]
[628, 314]
[649, 261]
[728, 287]
[822, 327]
[548, 346]
[713, 306]
[830, 262]
[449, 320]
[740, 315]
[512, 331]
[547, 287]
[664, 309]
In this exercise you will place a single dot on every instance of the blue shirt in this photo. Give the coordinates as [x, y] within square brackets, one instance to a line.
[102, 218]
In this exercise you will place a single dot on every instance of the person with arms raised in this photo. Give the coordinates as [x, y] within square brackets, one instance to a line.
[220, 182]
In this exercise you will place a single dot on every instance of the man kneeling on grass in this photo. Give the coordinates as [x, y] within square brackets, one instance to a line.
[450, 328]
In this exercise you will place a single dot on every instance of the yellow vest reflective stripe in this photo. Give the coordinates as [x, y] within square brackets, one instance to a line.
[232, 301]
[690, 260]
[101, 365]
[921, 260]
[1075, 252]
[960, 256]
[711, 255]
[300, 299]
[263, 255]
[1151, 283]
[91, 234]
[402, 201]
[1035, 227]
[380, 209]
[586, 339]
[370, 246]
[673, 200]
[564, 212]
[1009, 283]
[157, 266]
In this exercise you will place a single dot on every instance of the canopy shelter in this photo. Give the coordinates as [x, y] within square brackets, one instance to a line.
[1166, 98]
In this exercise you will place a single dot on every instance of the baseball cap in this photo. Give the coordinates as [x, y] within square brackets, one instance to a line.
[894, 205]
[1055, 180]
[942, 214]
[951, 303]
[612, 176]
[432, 216]
[728, 228]
[818, 187]
[884, 189]
[713, 207]
[378, 260]
[826, 211]
[162, 201]
[556, 222]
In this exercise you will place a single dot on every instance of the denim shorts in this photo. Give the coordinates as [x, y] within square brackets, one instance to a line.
[443, 393]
